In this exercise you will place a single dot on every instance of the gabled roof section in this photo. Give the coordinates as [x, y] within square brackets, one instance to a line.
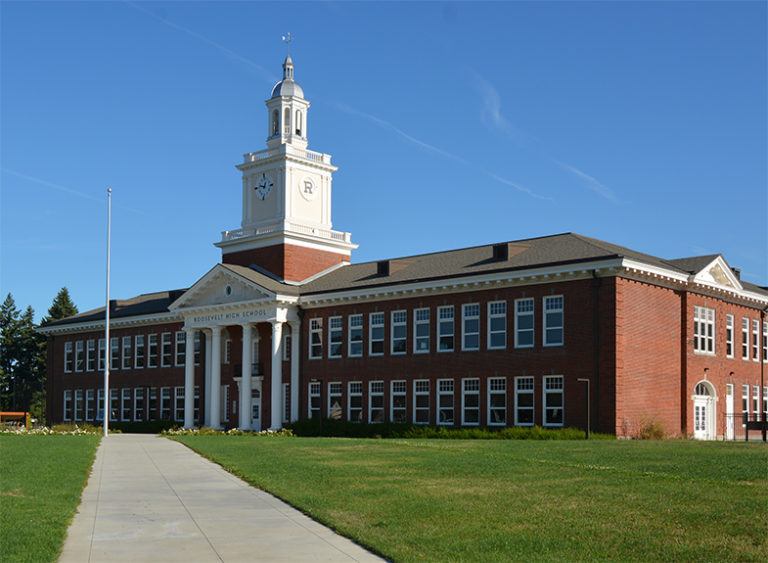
[710, 270]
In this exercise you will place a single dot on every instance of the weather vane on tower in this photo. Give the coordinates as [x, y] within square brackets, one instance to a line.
[288, 39]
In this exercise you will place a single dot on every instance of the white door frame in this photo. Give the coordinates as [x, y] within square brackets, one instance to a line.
[729, 421]
[704, 411]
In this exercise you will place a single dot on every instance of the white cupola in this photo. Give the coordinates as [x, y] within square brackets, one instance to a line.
[287, 111]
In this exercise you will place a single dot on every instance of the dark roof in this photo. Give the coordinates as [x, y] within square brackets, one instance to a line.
[265, 280]
[694, 264]
[566, 248]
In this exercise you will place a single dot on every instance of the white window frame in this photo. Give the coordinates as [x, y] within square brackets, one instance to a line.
[470, 393]
[755, 400]
[549, 307]
[125, 404]
[335, 337]
[67, 412]
[446, 388]
[552, 386]
[69, 357]
[525, 307]
[139, 343]
[126, 346]
[197, 346]
[470, 326]
[225, 404]
[166, 349]
[525, 385]
[729, 336]
[152, 351]
[376, 332]
[79, 356]
[375, 392]
[114, 353]
[177, 404]
[90, 355]
[420, 335]
[355, 390]
[765, 402]
[420, 389]
[398, 389]
[138, 394]
[497, 387]
[745, 338]
[114, 404]
[755, 340]
[335, 391]
[286, 389]
[90, 410]
[287, 344]
[355, 335]
[79, 410]
[166, 412]
[446, 321]
[315, 388]
[180, 348]
[497, 311]
[765, 341]
[703, 330]
[744, 404]
[398, 333]
[315, 340]
[100, 404]
[101, 355]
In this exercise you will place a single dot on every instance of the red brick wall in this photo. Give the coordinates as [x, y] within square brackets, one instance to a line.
[286, 261]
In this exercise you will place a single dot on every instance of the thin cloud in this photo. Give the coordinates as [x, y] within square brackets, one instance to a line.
[592, 183]
[491, 113]
[265, 74]
[521, 187]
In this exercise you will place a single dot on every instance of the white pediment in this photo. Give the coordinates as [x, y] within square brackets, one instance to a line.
[218, 287]
[718, 274]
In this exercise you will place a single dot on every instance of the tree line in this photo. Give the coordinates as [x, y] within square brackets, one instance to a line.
[23, 354]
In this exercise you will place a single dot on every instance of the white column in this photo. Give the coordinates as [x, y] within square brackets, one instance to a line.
[245, 383]
[215, 377]
[295, 348]
[189, 378]
[207, 419]
[276, 419]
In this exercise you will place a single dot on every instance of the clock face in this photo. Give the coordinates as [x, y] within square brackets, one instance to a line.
[263, 185]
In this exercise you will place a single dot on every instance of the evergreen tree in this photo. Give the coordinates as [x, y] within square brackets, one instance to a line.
[62, 307]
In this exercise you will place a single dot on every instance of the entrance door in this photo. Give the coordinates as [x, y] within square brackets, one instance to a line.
[256, 409]
[729, 411]
[703, 412]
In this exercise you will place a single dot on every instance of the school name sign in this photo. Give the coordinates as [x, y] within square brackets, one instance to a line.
[232, 317]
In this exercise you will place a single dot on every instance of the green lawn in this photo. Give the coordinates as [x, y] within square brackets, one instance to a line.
[421, 500]
[41, 479]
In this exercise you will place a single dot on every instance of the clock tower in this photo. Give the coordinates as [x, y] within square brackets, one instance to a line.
[286, 227]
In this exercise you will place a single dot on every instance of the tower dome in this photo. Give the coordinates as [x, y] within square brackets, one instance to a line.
[287, 86]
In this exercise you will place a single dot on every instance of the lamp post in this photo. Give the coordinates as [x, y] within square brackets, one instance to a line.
[584, 380]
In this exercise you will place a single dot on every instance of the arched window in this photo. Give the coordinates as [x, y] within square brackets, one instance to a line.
[275, 123]
[287, 123]
[701, 389]
[298, 123]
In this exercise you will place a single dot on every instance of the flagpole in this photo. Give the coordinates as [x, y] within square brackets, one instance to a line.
[108, 354]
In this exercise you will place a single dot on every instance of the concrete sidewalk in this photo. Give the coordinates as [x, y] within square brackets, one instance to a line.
[152, 499]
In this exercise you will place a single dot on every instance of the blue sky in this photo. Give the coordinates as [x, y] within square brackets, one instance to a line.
[453, 124]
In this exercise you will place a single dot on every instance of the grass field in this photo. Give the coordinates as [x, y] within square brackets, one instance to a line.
[41, 478]
[421, 500]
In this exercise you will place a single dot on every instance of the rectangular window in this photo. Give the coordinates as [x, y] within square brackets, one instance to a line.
[334, 400]
[79, 356]
[114, 407]
[355, 407]
[226, 354]
[744, 404]
[470, 401]
[765, 402]
[78, 404]
[196, 407]
[178, 404]
[553, 400]
[445, 329]
[165, 403]
[314, 399]
[126, 352]
[376, 401]
[703, 330]
[470, 326]
[152, 355]
[421, 331]
[286, 402]
[138, 403]
[90, 405]
[99, 404]
[68, 357]
[102, 355]
[125, 404]
[67, 405]
[497, 401]
[197, 349]
[166, 349]
[765, 341]
[553, 321]
[335, 334]
[445, 401]
[729, 336]
[224, 407]
[497, 325]
[287, 343]
[755, 401]
[398, 399]
[421, 401]
[524, 404]
[315, 338]
[524, 325]
[399, 332]
[138, 351]
[376, 334]
[90, 355]
[114, 354]
[755, 340]
[152, 406]
[744, 338]
[181, 348]
[355, 336]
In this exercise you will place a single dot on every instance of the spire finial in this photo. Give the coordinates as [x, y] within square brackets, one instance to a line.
[288, 39]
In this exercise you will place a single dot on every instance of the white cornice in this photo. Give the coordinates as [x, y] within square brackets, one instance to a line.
[159, 318]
